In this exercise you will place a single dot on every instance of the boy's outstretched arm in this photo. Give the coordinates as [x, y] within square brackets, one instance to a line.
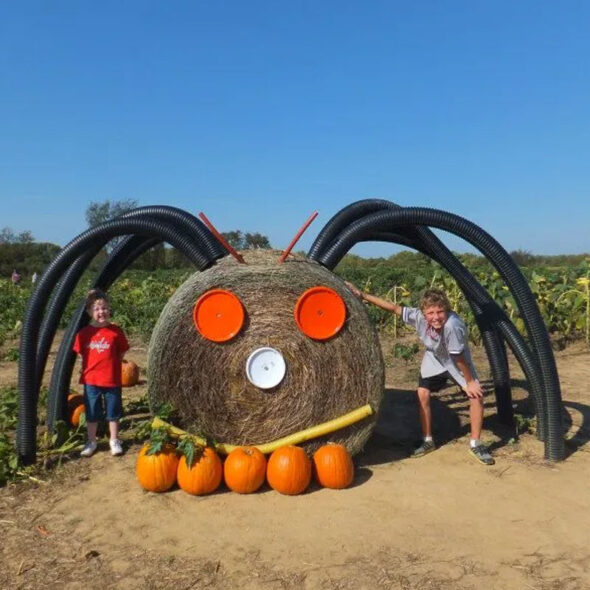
[378, 301]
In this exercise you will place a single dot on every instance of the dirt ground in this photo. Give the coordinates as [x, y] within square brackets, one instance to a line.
[439, 522]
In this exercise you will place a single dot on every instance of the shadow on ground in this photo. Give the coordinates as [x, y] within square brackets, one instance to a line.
[398, 428]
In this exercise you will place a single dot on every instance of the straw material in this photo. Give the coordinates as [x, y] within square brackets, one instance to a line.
[206, 382]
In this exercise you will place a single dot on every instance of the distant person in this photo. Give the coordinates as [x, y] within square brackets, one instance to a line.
[102, 346]
[34, 278]
[15, 277]
[447, 356]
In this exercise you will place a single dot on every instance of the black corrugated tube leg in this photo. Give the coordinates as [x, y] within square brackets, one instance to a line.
[200, 236]
[28, 386]
[342, 220]
[523, 354]
[476, 296]
[386, 220]
[211, 246]
[423, 240]
[122, 256]
[182, 220]
[495, 350]
[495, 315]
[55, 308]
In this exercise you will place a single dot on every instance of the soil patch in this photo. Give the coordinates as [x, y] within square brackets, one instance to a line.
[443, 521]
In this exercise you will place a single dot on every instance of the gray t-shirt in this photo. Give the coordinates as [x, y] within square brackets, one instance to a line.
[439, 347]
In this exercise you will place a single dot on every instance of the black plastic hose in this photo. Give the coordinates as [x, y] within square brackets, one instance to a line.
[128, 250]
[202, 240]
[181, 220]
[28, 385]
[423, 240]
[212, 247]
[491, 339]
[385, 220]
[55, 308]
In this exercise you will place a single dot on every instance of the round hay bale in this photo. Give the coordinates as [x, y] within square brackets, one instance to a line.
[206, 381]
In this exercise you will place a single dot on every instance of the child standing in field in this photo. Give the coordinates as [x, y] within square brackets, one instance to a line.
[102, 345]
[447, 356]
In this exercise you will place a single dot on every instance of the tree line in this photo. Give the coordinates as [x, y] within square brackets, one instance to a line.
[22, 253]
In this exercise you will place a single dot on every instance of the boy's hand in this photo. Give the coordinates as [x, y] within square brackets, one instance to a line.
[355, 290]
[474, 389]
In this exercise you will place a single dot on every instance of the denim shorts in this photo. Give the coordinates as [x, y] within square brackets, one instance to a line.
[98, 399]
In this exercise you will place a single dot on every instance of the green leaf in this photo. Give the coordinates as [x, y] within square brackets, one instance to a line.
[191, 450]
[158, 438]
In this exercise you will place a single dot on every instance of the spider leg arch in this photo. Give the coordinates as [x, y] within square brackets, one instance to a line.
[375, 218]
[424, 241]
[128, 250]
[152, 224]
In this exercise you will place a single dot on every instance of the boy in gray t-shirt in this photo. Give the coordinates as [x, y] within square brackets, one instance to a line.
[447, 356]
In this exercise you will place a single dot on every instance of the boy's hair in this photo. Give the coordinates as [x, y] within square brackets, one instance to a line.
[432, 297]
[94, 295]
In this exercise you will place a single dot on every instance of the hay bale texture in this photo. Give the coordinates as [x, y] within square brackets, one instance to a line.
[206, 382]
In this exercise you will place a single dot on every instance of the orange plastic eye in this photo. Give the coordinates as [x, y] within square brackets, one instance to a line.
[218, 315]
[320, 313]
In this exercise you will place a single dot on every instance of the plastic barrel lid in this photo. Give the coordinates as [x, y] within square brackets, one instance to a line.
[218, 315]
[320, 313]
[265, 367]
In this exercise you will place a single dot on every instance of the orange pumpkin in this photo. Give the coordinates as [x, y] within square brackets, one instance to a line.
[244, 470]
[289, 470]
[203, 477]
[157, 472]
[76, 414]
[333, 466]
[75, 408]
[129, 373]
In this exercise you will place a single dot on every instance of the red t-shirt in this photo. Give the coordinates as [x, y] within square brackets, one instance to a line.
[101, 350]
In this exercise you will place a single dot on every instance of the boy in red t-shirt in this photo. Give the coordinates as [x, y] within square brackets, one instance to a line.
[102, 346]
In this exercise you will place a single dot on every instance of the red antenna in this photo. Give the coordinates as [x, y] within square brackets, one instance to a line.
[231, 250]
[296, 238]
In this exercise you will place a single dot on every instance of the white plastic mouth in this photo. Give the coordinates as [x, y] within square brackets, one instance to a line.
[265, 367]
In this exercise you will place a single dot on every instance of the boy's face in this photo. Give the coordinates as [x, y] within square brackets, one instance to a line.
[435, 315]
[100, 312]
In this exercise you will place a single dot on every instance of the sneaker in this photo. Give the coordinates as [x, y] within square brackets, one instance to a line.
[116, 447]
[481, 453]
[425, 448]
[88, 449]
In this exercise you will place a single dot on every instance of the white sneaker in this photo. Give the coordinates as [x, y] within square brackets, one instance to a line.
[88, 449]
[116, 447]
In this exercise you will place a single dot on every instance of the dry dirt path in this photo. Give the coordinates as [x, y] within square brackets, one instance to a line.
[440, 522]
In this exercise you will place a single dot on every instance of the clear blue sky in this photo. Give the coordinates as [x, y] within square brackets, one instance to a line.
[259, 113]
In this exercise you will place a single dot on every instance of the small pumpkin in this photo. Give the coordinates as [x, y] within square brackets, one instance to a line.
[76, 415]
[333, 466]
[244, 470]
[129, 373]
[203, 476]
[75, 408]
[157, 472]
[289, 470]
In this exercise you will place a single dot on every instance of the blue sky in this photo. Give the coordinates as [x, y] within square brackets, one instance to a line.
[259, 113]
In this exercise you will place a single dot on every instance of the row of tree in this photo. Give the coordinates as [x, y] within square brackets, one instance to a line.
[21, 252]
